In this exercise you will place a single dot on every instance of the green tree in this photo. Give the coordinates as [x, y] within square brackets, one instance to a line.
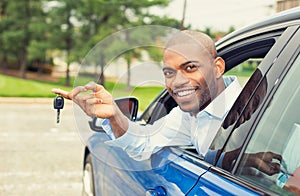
[231, 29]
[98, 20]
[39, 43]
[3, 26]
[63, 18]
[101, 18]
[18, 32]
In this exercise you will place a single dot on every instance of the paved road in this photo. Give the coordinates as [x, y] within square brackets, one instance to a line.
[38, 157]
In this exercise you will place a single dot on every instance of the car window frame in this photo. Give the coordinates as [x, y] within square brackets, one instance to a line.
[275, 69]
[294, 58]
[275, 75]
[268, 63]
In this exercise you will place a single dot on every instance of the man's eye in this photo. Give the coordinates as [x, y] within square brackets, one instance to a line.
[191, 67]
[168, 74]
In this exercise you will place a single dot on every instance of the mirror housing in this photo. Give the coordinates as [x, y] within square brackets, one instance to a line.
[128, 106]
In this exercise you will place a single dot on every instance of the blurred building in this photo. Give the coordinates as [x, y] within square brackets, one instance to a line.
[282, 5]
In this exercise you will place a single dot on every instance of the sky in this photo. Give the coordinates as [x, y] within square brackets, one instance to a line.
[220, 14]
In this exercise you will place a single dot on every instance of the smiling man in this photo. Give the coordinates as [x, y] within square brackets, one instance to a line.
[193, 77]
[193, 71]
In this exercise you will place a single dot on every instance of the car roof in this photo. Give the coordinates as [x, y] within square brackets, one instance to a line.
[278, 21]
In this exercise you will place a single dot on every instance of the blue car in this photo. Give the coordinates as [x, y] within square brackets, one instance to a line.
[264, 118]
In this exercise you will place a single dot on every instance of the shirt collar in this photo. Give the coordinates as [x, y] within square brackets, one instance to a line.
[224, 101]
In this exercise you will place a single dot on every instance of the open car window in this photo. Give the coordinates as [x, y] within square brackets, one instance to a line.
[246, 57]
[241, 58]
[160, 107]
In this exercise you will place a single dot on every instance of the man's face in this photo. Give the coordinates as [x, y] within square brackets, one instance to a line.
[190, 77]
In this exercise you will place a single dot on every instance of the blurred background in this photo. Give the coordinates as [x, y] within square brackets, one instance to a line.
[42, 45]
[45, 40]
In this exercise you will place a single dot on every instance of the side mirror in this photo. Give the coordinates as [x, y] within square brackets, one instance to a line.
[128, 106]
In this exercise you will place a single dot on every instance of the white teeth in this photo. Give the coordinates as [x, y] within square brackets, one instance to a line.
[184, 93]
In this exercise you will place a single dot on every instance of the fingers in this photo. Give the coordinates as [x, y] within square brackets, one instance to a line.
[98, 101]
[273, 168]
[277, 156]
[269, 156]
[94, 101]
[269, 168]
[90, 106]
[69, 95]
[63, 93]
[76, 91]
[94, 87]
[264, 161]
[100, 92]
[83, 98]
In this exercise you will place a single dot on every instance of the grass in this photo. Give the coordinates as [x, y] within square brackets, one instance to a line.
[144, 94]
[17, 87]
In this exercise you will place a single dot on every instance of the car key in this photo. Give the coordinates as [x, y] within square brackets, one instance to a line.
[58, 104]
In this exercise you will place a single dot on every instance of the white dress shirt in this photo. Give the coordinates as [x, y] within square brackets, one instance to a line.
[178, 128]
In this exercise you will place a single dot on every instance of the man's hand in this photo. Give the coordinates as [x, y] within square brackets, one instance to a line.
[264, 161]
[98, 103]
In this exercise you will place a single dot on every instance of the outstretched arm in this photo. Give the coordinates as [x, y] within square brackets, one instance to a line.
[95, 100]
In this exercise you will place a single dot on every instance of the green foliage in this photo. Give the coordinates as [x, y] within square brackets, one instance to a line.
[20, 21]
[31, 30]
[155, 53]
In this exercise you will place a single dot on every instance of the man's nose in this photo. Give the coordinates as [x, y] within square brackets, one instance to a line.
[180, 79]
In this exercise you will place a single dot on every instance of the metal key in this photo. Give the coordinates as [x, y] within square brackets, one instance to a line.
[58, 104]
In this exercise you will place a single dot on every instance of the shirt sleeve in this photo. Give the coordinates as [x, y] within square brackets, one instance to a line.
[105, 124]
[141, 141]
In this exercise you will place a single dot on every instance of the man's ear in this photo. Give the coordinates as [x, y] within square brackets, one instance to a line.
[220, 66]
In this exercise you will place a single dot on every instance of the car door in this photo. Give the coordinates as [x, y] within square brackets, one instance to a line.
[265, 120]
[168, 172]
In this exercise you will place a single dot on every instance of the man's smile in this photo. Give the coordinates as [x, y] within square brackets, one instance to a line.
[184, 92]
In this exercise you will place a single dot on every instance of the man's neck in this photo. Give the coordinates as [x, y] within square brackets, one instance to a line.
[221, 87]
